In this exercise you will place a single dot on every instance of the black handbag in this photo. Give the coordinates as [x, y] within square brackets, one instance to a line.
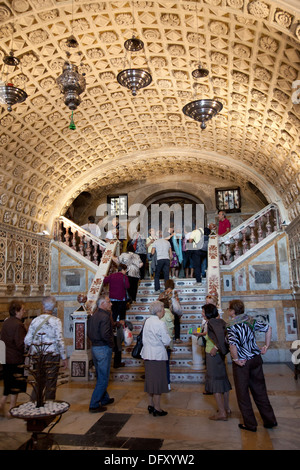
[136, 352]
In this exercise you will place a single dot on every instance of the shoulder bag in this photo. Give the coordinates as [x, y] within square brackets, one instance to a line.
[136, 352]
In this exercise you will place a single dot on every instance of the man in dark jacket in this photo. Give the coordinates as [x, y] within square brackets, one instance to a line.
[100, 333]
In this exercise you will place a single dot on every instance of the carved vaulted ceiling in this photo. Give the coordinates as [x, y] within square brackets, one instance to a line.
[251, 49]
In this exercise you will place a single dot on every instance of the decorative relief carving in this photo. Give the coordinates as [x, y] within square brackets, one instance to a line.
[283, 18]
[258, 9]
[237, 40]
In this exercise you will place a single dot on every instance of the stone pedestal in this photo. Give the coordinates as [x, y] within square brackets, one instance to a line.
[198, 362]
[81, 357]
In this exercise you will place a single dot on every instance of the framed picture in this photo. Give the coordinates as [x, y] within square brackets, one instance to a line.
[228, 199]
[118, 204]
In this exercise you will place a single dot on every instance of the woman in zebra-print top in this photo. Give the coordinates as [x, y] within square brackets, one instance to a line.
[241, 335]
[247, 366]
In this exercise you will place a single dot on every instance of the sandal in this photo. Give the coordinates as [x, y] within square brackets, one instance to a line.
[218, 418]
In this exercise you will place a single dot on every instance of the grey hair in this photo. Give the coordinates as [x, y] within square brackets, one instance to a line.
[101, 299]
[156, 307]
[49, 303]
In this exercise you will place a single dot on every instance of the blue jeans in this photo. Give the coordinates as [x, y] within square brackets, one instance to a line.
[102, 358]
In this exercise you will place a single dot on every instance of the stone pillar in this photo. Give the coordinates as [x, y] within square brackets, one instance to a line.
[81, 357]
[213, 278]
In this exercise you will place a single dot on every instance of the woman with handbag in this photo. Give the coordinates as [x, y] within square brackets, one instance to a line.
[155, 341]
[134, 264]
[118, 285]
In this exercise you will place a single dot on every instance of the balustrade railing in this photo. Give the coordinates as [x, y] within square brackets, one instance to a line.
[79, 240]
[250, 233]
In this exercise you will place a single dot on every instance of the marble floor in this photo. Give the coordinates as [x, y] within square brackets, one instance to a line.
[126, 425]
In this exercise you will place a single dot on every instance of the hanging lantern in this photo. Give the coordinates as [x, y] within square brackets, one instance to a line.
[132, 78]
[71, 84]
[9, 94]
[202, 110]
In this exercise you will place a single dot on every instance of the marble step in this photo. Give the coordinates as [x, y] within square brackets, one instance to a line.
[175, 361]
[188, 315]
[185, 328]
[187, 301]
[141, 310]
[182, 290]
[181, 355]
[177, 375]
[179, 282]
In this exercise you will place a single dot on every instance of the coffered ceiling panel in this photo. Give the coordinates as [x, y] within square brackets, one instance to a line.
[251, 49]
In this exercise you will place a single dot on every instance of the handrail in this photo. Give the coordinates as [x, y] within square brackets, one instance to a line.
[249, 222]
[102, 272]
[108, 250]
[248, 234]
[239, 237]
[80, 240]
[77, 228]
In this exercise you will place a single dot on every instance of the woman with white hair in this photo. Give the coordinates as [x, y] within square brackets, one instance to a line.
[155, 340]
[47, 329]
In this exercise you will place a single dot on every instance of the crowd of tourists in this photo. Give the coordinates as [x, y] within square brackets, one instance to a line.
[236, 337]
[159, 255]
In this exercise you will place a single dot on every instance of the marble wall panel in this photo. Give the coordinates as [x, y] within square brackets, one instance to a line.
[240, 277]
[290, 323]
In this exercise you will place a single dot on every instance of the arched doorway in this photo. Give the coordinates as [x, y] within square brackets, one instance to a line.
[188, 205]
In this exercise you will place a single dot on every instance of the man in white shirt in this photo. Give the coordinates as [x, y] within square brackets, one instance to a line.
[91, 227]
[197, 238]
[164, 253]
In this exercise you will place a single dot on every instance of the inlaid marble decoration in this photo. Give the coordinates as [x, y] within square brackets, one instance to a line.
[78, 369]
[24, 262]
[227, 283]
[79, 336]
[213, 271]
[72, 280]
[263, 277]
[290, 323]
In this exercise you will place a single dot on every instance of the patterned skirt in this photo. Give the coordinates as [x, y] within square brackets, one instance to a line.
[174, 261]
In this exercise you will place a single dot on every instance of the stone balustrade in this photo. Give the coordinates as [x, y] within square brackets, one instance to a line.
[250, 233]
[79, 240]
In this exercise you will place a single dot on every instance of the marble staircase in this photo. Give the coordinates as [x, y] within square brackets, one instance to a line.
[181, 363]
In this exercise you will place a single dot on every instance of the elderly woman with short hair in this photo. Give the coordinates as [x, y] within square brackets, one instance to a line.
[155, 341]
[47, 329]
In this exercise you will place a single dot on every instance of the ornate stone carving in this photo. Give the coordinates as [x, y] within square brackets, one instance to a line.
[249, 47]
